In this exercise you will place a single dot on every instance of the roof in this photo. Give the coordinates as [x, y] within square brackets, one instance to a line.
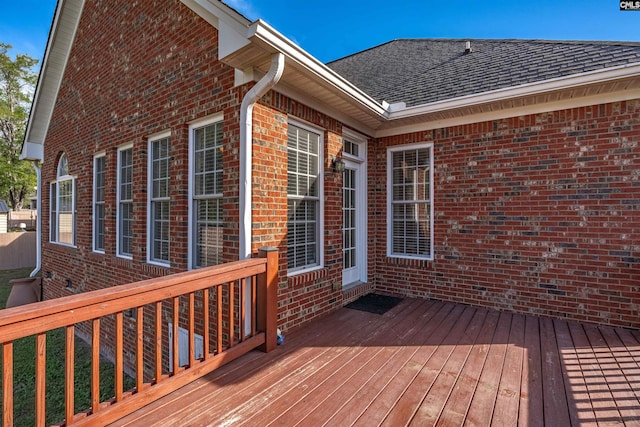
[3, 207]
[420, 71]
[429, 83]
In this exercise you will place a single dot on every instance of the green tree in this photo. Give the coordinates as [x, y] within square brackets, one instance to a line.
[17, 82]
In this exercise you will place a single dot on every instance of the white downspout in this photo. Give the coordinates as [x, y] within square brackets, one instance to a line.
[246, 167]
[246, 148]
[38, 220]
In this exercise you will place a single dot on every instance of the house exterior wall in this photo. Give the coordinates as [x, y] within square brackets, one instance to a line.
[537, 214]
[136, 70]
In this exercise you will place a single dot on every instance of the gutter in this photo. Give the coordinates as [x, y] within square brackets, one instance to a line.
[246, 148]
[269, 38]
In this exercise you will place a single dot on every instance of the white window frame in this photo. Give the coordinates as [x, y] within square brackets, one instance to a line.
[390, 201]
[119, 202]
[362, 223]
[96, 202]
[151, 200]
[193, 126]
[54, 199]
[320, 199]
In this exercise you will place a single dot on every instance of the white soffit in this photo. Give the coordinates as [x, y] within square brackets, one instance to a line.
[59, 45]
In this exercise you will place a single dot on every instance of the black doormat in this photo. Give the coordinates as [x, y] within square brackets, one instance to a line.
[374, 303]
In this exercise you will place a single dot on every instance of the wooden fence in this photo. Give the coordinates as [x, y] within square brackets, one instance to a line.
[254, 281]
[17, 250]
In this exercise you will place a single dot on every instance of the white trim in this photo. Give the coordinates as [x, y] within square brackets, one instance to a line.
[361, 200]
[263, 32]
[504, 113]
[38, 221]
[59, 179]
[159, 135]
[96, 156]
[32, 151]
[399, 148]
[207, 120]
[118, 231]
[196, 124]
[150, 140]
[320, 238]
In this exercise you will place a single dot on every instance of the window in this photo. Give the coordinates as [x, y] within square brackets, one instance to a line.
[124, 229]
[159, 201]
[206, 195]
[98, 202]
[410, 201]
[304, 187]
[62, 227]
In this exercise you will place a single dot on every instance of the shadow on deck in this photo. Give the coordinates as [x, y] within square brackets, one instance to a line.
[421, 363]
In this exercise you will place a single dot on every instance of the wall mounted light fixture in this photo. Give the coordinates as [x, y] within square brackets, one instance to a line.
[337, 165]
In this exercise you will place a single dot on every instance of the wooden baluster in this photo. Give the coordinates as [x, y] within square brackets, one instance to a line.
[95, 366]
[158, 336]
[205, 319]
[241, 285]
[7, 384]
[41, 375]
[192, 340]
[176, 342]
[140, 349]
[219, 318]
[119, 357]
[69, 386]
[253, 305]
[231, 332]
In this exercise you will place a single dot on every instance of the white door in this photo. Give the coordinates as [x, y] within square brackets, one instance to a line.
[354, 223]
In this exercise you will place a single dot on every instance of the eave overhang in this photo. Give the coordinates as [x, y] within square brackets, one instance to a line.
[61, 37]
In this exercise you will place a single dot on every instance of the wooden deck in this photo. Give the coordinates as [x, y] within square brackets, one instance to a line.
[422, 363]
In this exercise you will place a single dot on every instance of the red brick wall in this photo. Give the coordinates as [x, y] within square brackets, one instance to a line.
[307, 295]
[537, 214]
[135, 69]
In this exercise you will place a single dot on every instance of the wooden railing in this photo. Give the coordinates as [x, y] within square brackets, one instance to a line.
[218, 295]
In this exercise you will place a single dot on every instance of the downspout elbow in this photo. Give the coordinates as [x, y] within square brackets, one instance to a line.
[246, 150]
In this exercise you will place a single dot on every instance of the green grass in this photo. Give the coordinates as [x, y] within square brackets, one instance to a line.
[24, 370]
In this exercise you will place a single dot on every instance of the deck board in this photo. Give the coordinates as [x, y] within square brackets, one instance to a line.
[422, 363]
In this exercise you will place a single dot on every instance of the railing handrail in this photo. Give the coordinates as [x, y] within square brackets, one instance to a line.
[255, 280]
[72, 309]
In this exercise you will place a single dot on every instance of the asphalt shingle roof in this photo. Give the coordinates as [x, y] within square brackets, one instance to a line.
[3, 207]
[419, 71]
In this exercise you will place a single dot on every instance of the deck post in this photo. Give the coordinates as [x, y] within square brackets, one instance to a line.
[267, 299]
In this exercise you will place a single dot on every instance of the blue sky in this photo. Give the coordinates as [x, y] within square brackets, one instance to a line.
[331, 29]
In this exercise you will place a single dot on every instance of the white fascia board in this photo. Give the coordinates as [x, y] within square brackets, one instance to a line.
[32, 151]
[214, 11]
[529, 89]
[262, 31]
